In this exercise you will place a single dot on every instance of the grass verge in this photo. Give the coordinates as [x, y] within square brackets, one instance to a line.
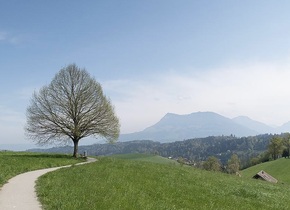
[13, 163]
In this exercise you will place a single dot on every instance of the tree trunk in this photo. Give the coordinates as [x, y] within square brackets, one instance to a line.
[76, 147]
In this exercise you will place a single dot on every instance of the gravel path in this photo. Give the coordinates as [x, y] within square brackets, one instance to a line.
[19, 193]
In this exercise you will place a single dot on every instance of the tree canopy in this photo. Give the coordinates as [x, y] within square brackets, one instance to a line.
[212, 164]
[233, 165]
[276, 147]
[71, 107]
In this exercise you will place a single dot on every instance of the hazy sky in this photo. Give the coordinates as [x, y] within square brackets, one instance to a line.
[151, 57]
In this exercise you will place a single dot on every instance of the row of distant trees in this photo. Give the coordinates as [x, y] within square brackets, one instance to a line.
[279, 146]
[213, 164]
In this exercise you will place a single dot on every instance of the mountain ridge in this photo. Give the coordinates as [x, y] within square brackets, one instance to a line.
[174, 127]
[255, 125]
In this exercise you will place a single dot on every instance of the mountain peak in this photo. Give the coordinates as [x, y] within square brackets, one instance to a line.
[242, 118]
[174, 127]
[169, 114]
[255, 125]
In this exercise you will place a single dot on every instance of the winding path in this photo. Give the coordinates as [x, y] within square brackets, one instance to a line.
[19, 193]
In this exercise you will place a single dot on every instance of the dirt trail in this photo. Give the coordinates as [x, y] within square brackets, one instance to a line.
[19, 193]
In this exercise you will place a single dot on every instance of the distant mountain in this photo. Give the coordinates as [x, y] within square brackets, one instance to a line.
[259, 127]
[16, 147]
[284, 128]
[173, 127]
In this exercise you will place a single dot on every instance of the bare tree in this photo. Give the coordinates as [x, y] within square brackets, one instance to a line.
[233, 165]
[71, 107]
[212, 164]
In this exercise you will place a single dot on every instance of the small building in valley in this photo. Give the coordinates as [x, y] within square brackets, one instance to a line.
[265, 176]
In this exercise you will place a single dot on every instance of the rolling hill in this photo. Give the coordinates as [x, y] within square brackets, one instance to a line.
[128, 183]
[279, 169]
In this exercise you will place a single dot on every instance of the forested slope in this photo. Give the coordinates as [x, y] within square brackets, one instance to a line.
[193, 149]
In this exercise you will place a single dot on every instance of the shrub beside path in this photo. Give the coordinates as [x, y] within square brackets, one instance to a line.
[19, 193]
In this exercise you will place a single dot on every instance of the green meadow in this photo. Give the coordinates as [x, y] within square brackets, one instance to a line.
[151, 182]
[279, 169]
[142, 181]
[13, 163]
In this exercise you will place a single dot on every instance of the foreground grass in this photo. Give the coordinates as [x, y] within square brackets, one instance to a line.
[280, 169]
[13, 163]
[112, 183]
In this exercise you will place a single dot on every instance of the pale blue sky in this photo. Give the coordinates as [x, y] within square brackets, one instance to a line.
[152, 57]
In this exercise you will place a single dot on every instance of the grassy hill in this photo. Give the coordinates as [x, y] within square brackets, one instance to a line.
[279, 169]
[138, 182]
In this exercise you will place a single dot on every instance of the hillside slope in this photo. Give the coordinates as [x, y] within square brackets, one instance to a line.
[127, 184]
[279, 169]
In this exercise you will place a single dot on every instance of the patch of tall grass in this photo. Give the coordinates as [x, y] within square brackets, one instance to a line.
[112, 183]
[13, 163]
